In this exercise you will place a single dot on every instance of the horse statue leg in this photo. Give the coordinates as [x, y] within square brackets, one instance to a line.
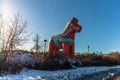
[52, 48]
[68, 49]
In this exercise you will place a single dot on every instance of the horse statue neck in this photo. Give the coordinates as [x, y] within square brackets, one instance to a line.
[71, 34]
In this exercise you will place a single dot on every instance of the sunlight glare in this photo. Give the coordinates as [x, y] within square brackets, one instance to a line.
[7, 13]
[7, 9]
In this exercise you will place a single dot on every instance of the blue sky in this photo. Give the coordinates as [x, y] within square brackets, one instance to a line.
[100, 20]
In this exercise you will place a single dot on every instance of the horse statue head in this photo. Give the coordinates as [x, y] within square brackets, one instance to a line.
[71, 28]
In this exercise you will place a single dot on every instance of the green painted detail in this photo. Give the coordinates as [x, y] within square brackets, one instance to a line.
[58, 38]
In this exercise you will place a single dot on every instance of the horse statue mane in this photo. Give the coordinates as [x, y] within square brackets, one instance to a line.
[65, 40]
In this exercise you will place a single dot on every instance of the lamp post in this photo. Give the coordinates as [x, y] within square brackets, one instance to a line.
[45, 41]
[88, 49]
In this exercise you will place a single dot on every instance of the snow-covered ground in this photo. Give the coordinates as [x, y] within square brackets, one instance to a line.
[70, 74]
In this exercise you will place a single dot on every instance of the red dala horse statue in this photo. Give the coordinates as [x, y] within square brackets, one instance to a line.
[65, 40]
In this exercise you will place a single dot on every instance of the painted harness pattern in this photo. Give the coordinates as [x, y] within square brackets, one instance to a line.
[59, 38]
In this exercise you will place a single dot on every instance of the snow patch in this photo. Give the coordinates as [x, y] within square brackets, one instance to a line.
[70, 74]
[22, 58]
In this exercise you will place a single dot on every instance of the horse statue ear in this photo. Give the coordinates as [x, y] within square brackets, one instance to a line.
[74, 20]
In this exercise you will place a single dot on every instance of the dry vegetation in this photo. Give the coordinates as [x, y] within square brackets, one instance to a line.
[58, 61]
[110, 59]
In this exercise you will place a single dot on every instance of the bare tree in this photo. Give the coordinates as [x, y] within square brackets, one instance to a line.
[37, 44]
[12, 34]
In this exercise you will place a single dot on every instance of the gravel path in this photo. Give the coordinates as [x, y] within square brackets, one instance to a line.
[112, 74]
